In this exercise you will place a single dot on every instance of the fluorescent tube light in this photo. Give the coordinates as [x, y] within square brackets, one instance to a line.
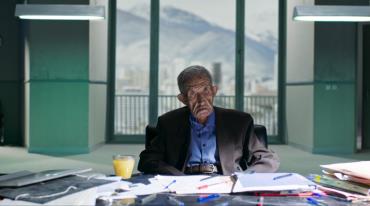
[59, 12]
[332, 13]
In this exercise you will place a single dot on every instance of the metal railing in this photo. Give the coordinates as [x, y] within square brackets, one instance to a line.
[131, 111]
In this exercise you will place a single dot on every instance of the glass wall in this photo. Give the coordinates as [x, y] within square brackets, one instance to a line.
[132, 66]
[194, 32]
[261, 62]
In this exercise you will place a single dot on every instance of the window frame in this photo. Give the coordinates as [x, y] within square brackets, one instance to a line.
[154, 71]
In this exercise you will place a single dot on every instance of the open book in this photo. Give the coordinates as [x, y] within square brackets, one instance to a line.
[241, 182]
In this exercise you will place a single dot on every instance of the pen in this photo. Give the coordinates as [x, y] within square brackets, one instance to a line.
[313, 201]
[172, 182]
[307, 194]
[207, 198]
[282, 176]
[260, 201]
[207, 185]
[175, 201]
[207, 178]
[147, 199]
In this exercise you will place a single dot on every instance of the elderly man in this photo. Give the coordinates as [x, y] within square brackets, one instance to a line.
[202, 139]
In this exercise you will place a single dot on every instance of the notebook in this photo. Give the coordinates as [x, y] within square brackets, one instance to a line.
[22, 178]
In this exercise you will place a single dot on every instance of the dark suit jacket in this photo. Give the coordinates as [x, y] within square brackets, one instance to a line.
[239, 148]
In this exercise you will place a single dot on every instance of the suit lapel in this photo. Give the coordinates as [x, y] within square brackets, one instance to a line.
[224, 144]
[183, 131]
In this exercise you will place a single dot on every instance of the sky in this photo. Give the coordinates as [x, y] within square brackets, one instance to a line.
[261, 15]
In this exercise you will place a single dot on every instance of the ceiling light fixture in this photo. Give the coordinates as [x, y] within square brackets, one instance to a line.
[332, 13]
[59, 12]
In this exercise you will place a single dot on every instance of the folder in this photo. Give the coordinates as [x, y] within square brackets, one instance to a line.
[340, 184]
[360, 169]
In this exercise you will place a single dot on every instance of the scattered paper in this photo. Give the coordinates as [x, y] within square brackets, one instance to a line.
[272, 182]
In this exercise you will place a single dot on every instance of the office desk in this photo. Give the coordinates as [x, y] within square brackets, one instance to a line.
[228, 199]
[239, 199]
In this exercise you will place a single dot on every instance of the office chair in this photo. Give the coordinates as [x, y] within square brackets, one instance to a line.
[261, 133]
[259, 130]
[150, 133]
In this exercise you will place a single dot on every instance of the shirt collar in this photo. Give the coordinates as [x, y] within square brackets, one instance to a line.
[210, 121]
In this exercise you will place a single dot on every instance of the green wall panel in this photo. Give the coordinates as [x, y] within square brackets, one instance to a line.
[335, 87]
[9, 49]
[58, 117]
[10, 74]
[366, 88]
[335, 55]
[58, 86]
[334, 119]
[59, 50]
[11, 108]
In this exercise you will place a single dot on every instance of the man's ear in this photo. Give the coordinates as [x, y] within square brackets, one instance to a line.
[182, 99]
[214, 90]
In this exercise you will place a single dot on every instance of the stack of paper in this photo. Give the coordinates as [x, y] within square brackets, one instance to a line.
[359, 171]
[346, 180]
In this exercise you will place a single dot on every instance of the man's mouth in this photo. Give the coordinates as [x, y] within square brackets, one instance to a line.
[202, 110]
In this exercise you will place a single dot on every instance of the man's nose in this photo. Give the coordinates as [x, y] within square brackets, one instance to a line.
[200, 97]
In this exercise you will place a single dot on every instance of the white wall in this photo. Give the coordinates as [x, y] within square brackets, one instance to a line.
[98, 67]
[299, 78]
[300, 45]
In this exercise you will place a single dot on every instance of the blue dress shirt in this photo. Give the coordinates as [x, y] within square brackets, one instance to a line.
[203, 146]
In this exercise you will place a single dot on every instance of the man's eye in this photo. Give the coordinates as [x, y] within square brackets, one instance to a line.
[191, 94]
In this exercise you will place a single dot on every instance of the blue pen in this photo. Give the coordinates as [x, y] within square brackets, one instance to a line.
[208, 198]
[313, 201]
[282, 176]
[172, 182]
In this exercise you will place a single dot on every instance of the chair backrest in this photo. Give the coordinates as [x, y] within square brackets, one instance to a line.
[261, 134]
[150, 133]
[259, 130]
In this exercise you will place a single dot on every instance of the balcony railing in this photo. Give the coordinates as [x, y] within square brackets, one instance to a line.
[131, 111]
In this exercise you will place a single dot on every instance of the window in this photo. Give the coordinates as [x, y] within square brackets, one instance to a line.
[261, 62]
[193, 32]
[132, 67]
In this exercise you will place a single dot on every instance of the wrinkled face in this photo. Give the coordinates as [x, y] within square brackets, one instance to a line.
[199, 98]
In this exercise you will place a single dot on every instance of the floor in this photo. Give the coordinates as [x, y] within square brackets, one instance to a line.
[14, 159]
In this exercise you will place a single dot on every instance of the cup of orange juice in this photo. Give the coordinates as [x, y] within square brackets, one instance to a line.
[123, 165]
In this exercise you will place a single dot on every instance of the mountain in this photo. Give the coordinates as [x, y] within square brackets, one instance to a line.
[186, 39]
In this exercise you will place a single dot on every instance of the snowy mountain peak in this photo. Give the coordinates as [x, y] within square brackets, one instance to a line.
[170, 14]
[179, 16]
[142, 10]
